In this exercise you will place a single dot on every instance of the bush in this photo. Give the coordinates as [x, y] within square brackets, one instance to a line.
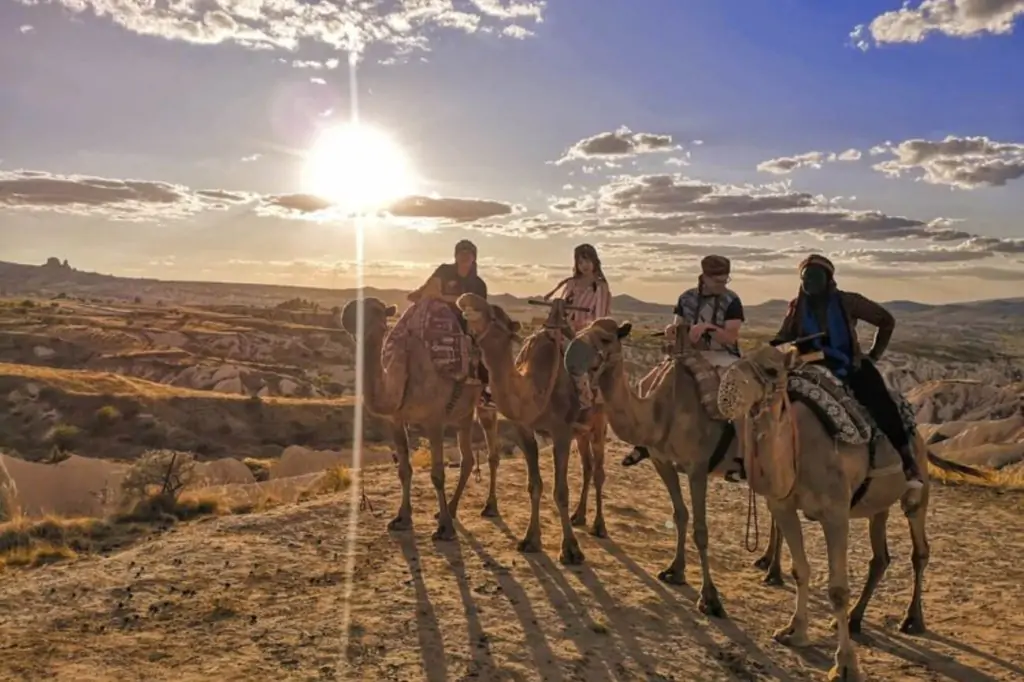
[105, 417]
[159, 474]
[65, 436]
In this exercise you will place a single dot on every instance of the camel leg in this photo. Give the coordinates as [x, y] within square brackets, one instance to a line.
[876, 569]
[709, 603]
[445, 526]
[579, 517]
[913, 622]
[465, 439]
[675, 574]
[571, 553]
[771, 560]
[403, 521]
[489, 422]
[836, 524]
[795, 633]
[528, 444]
[597, 435]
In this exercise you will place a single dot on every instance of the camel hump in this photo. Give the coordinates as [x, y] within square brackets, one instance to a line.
[437, 326]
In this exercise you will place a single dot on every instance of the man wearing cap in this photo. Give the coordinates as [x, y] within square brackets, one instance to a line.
[715, 315]
[821, 306]
[451, 280]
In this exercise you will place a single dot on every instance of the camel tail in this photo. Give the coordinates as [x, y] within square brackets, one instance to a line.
[956, 467]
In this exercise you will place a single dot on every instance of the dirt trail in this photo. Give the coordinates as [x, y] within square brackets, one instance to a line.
[262, 597]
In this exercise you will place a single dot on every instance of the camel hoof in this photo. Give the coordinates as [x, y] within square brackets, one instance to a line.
[444, 534]
[763, 564]
[490, 510]
[599, 530]
[400, 523]
[844, 673]
[578, 519]
[529, 545]
[711, 606]
[790, 636]
[673, 576]
[913, 626]
[571, 554]
[773, 579]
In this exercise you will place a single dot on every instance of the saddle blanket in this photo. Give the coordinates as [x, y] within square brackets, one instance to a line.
[707, 368]
[834, 403]
[436, 325]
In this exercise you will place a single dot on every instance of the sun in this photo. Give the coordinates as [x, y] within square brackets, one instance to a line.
[358, 168]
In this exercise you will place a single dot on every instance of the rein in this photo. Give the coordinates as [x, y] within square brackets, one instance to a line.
[776, 407]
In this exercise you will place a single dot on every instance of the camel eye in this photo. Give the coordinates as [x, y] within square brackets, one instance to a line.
[771, 372]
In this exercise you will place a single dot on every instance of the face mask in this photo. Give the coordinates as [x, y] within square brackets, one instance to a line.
[814, 281]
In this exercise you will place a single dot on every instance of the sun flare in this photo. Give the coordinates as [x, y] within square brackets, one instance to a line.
[359, 168]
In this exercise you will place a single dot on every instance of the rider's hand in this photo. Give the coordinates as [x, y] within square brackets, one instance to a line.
[698, 330]
[670, 332]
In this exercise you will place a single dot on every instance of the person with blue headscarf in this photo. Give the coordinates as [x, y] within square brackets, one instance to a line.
[821, 307]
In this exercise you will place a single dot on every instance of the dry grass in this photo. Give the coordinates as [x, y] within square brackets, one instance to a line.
[1008, 479]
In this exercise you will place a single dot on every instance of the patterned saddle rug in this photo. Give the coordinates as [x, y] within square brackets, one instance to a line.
[843, 415]
[434, 324]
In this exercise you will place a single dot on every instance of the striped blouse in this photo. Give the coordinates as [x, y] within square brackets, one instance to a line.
[596, 296]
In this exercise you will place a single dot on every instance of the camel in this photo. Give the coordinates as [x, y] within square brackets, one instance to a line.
[671, 420]
[821, 484]
[538, 396]
[413, 391]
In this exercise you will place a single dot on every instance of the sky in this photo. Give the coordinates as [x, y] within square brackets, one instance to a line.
[213, 140]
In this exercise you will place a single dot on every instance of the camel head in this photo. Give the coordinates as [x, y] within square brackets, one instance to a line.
[482, 318]
[597, 347]
[376, 311]
[754, 382]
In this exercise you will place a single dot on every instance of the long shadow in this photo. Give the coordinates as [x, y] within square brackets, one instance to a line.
[750, 648]
[967, 649]
[478, 644]
[911, 652]
[435, 663]
[543, 657]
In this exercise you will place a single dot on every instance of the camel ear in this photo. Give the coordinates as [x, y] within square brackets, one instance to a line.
[390, 310]
[515, 326]
[624, 330]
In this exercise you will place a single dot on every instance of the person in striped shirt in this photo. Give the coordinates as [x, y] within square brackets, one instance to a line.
[586, 288]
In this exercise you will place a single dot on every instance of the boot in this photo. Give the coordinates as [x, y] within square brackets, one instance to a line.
[637, 455]
[910, 469]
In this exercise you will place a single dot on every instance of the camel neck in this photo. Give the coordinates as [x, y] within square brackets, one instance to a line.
[513, 393]
[373, 376]
[631, 416]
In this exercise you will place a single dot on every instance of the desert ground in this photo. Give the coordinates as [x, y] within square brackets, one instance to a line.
[266, 565]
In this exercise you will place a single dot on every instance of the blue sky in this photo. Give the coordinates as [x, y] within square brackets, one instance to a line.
[483, 99]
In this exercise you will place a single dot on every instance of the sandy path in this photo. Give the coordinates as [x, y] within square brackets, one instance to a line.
[269, 597]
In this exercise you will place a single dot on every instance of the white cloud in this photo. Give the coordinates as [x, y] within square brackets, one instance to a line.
[787, 164]
[27, 28]
[619, 144]
[954, 18]
[962, 162]
[285, 24]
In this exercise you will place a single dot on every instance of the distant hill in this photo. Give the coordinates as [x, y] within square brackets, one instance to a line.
[57, 277]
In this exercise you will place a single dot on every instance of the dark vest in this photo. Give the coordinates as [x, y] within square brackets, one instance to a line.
[709, 309]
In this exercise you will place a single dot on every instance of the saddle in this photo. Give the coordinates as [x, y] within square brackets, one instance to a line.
[438, 328]
[843, 416]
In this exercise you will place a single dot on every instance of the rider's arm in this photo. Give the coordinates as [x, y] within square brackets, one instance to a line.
[433, 282]
[786, 333]
[729, 334]
[863, 308]
[603, 308]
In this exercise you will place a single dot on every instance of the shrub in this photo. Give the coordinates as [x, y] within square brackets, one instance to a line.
[65, 436]
[106, 416]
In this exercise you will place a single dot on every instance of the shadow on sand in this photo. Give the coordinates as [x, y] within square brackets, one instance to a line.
[435, 663]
